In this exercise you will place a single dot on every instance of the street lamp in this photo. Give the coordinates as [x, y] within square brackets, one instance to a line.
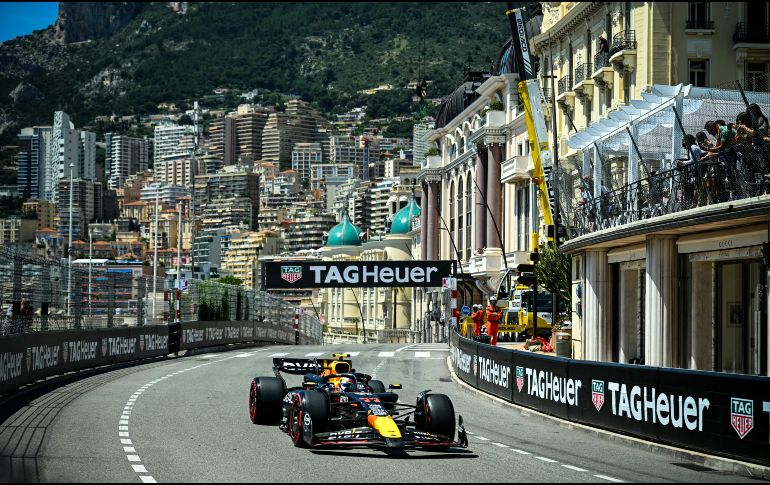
[69, 249]
[155, 256]
[90, 261]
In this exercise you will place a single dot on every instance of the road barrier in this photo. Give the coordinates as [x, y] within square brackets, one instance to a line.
[716, 413]
[28, 357]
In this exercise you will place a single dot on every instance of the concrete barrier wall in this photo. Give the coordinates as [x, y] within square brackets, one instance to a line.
[717, 413]
[25, 358]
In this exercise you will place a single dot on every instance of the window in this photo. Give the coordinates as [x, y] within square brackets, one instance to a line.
[460, 217]
[756, 77]
[698, 15]
[468, 206]
[699, 72]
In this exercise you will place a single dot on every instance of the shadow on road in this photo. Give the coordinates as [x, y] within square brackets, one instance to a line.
[400, 454]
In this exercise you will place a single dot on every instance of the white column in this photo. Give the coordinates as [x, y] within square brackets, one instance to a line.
[480, 211]
[597, 307]
[660, 301]
[494, 198]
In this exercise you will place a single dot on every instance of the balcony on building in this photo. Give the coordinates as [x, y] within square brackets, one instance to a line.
[623, 50]
[584, 83]
[517, 169]
[757, 32]
[565, 96]
[604, 73]
[645, 187]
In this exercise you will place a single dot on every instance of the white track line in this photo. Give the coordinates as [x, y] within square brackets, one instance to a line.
[418, 355]
[547, 460]
[278, 354]
[605, 477]
[313, 354]
[575, 468]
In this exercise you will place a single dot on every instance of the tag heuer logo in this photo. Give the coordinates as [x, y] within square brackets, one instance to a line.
[104, 347]
[65, 352]
[141, 342]
[29, 358]
[742, 415]
[519, 377]
[475, 365]
[292, 274]
[597, 394]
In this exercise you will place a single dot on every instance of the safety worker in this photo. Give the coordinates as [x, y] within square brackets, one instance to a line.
[494, 314]
[478, 319]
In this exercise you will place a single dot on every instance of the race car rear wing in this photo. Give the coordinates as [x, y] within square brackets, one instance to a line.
[297, 366]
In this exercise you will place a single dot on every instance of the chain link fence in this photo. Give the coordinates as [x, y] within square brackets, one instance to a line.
[38, 294]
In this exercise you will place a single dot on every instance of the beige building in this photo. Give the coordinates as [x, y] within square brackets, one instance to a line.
[706, 44]
[17, 230]
[241, 260]
[44, 210]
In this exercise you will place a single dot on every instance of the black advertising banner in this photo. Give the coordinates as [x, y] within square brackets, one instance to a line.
[12, 366]
[494, 371]
[463, 354]
[709, 411]
[717, 413]
[355, 274]
[622, 397]
[543, 383]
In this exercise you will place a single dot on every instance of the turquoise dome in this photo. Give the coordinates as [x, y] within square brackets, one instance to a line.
[344, 234]
[402, 220]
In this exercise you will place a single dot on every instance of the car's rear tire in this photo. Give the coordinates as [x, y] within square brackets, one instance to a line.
[436, 415]
[307, 403]
[378, 387]
[265, 399]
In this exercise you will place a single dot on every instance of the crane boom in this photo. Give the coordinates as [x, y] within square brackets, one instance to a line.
[530, 96]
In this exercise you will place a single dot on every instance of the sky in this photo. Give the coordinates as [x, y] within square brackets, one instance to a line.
[21, 18]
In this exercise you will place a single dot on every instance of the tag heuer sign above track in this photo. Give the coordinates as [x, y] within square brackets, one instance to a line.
[354, 274]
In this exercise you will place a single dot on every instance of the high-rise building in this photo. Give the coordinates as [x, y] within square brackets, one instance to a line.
[45, 212]
[179, 170]
[309, 231]
[33, 160]
[237, 137]
[124, 156]
[299, 124]
[228, 183]
[245, 248]
[167, 194]
[69, 147]
[173, 141]
[419, 145]
[303, 156]
[86, 205]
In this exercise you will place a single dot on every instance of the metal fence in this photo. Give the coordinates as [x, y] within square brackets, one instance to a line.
[645, 167]
[38, 294]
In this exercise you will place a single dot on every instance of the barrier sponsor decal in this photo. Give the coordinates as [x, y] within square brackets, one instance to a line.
[717, 413]
[10, 365]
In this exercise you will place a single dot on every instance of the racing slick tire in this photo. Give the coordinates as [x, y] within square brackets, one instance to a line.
[307, 408]
[436, 415]
[378, 387]
[265, 399]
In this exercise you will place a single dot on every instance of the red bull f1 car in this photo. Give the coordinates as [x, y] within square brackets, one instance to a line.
[337, 406]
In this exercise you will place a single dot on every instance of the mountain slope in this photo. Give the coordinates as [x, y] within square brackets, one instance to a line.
[324, 52]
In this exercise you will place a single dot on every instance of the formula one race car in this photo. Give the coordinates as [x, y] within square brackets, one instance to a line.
[337, 406]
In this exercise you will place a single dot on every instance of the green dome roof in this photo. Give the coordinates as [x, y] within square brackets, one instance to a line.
[402, 220]
[344, 234]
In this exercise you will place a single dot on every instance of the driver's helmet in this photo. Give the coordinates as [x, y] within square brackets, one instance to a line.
[347, 384]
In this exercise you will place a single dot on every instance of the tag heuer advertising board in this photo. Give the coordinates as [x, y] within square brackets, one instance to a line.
[354, 274]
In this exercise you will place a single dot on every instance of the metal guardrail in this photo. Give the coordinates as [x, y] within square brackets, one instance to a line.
[601, 60]
[625, 39]
[759, 34]
[694, 185]
[583, 72]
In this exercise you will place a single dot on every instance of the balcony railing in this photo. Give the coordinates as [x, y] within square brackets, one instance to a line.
[565, 84]
[759, 33]
[625, 39]
[700, 24]
[601, 60]
[695, 185]
[583, 72]
[546, 90]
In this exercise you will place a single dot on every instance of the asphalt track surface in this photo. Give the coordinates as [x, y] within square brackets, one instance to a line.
[186, 420]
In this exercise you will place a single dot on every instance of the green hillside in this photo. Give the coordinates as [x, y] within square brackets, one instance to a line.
[324, 52]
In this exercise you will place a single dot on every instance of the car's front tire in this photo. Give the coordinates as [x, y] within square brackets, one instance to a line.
[312, 406]
[436, 414]
[265, 399]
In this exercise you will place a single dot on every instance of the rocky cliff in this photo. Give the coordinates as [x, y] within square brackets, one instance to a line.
[81, 21]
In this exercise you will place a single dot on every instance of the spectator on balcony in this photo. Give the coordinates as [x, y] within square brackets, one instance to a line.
[604, 46]
[586, 205]
[693, 191]
[760, 120]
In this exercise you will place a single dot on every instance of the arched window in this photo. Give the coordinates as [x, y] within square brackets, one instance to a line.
[468, 212]
[460, 218]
